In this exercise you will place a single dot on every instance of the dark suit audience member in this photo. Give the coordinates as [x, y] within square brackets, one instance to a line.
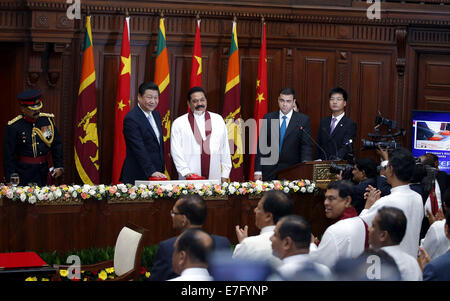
[188, 212]
[364, 174]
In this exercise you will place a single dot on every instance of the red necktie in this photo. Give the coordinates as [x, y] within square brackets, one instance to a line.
[434, 202]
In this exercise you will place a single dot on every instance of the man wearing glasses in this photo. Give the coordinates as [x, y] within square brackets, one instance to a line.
[336, 132]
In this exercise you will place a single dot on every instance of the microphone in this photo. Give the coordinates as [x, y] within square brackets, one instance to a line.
[314, 141]
[334, 142]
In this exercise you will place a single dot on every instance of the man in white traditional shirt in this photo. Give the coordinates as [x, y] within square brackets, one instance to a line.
[387, 231]
[190, 255]
[199, 141]
[346, 237]
[290, 243]
[272, 206]
[399, 171]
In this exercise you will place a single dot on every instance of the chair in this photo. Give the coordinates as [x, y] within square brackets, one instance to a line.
[127, 255]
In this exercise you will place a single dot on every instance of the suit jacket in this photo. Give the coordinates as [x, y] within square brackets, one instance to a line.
[334, 145]
[358, 200]
[144, 154]
[162, 264]
[438, 269]
[297, 143]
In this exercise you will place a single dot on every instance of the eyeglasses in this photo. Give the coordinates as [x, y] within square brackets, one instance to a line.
[173, 213]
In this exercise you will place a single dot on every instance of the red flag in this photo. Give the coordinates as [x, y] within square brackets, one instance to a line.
[162, 79]
[122, 103]
[260, 102]
[86, 138]
[196, 66]
[232, 110]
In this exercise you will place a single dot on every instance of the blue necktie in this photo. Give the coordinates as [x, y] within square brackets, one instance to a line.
[282, 131]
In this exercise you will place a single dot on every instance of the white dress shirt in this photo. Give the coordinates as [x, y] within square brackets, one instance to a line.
[186, 152]
[193, 274]
[292, 264]
[288, 118]
[344, 239]
[410, 202]
[435, 241]
[338, 119]
[408, 266]
[152, 121]
[257, 248]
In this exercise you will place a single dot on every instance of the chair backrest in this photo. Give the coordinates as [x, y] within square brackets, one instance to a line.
[128, 250]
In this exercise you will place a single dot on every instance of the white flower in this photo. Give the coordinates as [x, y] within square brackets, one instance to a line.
[201, 193]
[40, 196]
[286, 189]
[92, 192]
[209, 193]
[70, 190]
[57, 193]
[51, 196]
[74, 194]
[76, 187]
[232, 190]
[307, 182]
[144, 194]
[9, 194]
[310, 189]
[32, 199]
[117, 194]
[124, 190]
[245, 185]
[133, 196]
[185, 192]
[23, 197]
[303, 189]
[291, 185]
[198, 186]
[296, 188]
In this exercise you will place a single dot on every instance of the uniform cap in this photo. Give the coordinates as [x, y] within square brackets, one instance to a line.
[30, 98]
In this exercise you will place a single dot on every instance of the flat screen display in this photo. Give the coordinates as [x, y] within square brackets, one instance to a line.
[431, 134]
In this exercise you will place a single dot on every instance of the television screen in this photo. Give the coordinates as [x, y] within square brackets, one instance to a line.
[431, 134]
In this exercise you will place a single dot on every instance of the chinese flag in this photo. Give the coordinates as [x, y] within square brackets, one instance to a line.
[232, 110]
[260, 102]
[86, 138]
[122, 103]
[162, 79]
[196, 66]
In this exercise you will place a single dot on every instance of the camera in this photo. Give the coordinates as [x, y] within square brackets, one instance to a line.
[383, 140]
[346, 170]
[368, 144]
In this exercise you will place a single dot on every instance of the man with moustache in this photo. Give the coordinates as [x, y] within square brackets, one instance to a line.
[199, 141]
[29, 140]
[142, 131]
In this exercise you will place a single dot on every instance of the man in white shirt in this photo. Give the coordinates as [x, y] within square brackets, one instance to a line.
[272, 206]
[387, 231]
[190, 255]
[290, 243]
[346, 238]
[399, 171]
[199, 141]
[435, 241]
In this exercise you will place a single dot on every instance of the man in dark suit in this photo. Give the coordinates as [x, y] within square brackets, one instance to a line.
[336, 132]
[284, 138]
[439, 268]
[364, 174]
[188, 212]
[142, 131]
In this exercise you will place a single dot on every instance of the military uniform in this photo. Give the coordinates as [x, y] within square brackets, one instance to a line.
[28, 143]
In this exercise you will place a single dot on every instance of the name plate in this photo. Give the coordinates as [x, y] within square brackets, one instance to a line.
[178, 182]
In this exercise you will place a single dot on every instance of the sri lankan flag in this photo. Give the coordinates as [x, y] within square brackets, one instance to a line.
[261, 100]
[232, 110]
[162, 79]
[86, 138]
[122, 103]
[196, 63]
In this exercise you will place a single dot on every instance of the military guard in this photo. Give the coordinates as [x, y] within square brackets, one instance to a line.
[29, 140]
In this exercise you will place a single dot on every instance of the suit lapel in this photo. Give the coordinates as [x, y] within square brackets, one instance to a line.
[146, 123]
[340, 124]
[292, 125]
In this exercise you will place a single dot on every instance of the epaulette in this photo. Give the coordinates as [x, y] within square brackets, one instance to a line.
[15, 119]
[46, 115]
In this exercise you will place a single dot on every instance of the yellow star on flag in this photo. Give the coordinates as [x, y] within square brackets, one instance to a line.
[121, 105]
[199, 61]
[260, 97]
[257, 83]
[126, 61]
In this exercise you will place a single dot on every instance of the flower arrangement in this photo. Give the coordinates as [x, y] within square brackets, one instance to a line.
[78, 193]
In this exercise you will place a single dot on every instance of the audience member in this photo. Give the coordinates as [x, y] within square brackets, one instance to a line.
[272, 206]
[347, 236]
[387, 231]
[188, 212]
[435, 241]
[190, 255]
[437, 269]
[290, 243]
[364, 174]
[399, 171]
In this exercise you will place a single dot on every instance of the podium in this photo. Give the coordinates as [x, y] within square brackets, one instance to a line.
[317, 171]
